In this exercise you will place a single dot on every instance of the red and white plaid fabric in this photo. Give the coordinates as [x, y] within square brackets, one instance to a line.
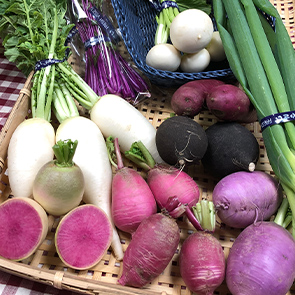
[14, 285]
[11, 82]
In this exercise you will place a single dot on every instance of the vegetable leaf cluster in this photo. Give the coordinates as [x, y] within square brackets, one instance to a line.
[26, 30]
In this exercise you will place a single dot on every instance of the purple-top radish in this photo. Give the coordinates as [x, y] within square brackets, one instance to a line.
[23, 227]
[202, 263]
[181, 141]
[91, 156]
[261, 261]
[83, 236]
[190, 98]
[150, 250]
[30, 147]
[242, 198]
[132, 198]
[59, 185]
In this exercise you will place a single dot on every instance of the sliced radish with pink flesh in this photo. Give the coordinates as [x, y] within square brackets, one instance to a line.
[83, 236]
[23, 227]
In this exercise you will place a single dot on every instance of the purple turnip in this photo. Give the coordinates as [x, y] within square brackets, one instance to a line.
[261, 261]
[242, 198]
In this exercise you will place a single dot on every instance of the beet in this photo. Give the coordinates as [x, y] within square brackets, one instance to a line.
[231, 148]
[150, 250]
[23, 227]
[181, 140]
[83, 236]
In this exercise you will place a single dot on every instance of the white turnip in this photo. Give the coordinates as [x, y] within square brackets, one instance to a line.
[202, 263]
[261, 261]
[132, 199]
[151, 249]
[92, 157]
[59, 184]
[30, 147]
[243, 198]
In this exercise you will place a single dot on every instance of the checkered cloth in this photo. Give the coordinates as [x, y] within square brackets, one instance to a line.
[11, 82]
[14, 285]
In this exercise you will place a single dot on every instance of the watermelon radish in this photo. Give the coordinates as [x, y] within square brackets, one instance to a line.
[83, 236]
[23, 227]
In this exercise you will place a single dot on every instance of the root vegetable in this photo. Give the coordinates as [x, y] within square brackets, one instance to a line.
[228, 102]
[190, 98]
[243, 198]
[195, 62]
[23, 227]
[92, 157]
[261, 261]
[191, 30]
[151, 249]
[59, 185]
[30, 147]
[83, 236]
[132, 198]
[117, 118]
[231, 148]
[202, 263]
[181, 141]
[215, 48]
[164, 57]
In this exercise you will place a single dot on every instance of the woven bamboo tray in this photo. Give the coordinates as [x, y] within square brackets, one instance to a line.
[44, 266]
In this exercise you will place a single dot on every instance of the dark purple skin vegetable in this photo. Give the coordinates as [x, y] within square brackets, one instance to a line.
[228, 102]
[243, 198]
[231, 148]
[150, 250]
[202, 263]
[132, 198]
[181, 141]
[189, 99]
[261, 261]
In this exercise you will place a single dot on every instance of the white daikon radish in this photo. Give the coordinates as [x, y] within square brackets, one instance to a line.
[30, 147]
[116, 117]
[92, 157]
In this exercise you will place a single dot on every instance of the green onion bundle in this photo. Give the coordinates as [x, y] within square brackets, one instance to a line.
[263, 61]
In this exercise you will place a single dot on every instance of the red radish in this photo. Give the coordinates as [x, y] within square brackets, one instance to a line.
[132, 199]
[151, 249]
[59, 185]
[165, 181]
[202, 263]
[23, 227]
[83, 236]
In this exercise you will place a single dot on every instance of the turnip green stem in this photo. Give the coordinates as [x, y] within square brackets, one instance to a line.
[64, 151]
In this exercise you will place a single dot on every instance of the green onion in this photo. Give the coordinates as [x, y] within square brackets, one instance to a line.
[260, 60]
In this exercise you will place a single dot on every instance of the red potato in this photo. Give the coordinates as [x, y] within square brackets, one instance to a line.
[151, 249]
[189, 99]
[230, 103]
[202, 263]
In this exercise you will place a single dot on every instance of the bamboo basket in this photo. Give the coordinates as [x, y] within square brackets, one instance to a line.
[44, 266]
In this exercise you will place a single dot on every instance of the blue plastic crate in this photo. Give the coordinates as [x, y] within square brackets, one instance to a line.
[136, 20]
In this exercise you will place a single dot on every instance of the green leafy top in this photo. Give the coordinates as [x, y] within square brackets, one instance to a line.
[27, 28]
[197, 4]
